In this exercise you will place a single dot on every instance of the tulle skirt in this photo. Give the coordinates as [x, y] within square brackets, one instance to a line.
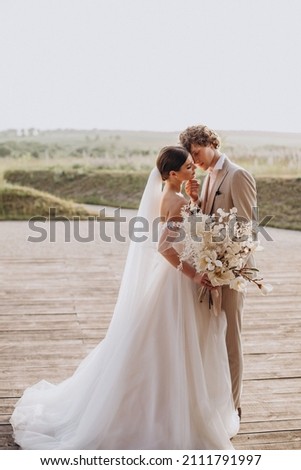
[159, 380]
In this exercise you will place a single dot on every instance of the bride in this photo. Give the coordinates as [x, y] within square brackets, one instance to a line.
[160, 379]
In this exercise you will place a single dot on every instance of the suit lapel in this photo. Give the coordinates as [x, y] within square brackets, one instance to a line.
[218, 181]
[204, 193]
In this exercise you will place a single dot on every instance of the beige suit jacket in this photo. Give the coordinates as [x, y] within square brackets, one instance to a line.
[233, 187]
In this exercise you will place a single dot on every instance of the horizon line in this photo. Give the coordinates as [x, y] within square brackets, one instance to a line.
[93, 129]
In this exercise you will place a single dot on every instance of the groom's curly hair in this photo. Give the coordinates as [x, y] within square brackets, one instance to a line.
[200, 135]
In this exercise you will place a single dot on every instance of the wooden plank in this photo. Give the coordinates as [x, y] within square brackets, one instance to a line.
[269, 426]
[56, 303]
[275, 386]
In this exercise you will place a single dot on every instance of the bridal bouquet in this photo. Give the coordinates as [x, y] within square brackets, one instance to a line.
[220, 246]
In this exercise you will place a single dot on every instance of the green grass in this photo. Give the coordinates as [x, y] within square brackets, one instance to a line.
[279, 198]
[103, 187]
[110, 167]
[22, 203]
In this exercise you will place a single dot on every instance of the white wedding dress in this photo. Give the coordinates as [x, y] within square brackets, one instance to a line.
[159, 380]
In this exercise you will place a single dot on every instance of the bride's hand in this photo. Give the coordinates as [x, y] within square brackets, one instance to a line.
[202, 280]
[192, 188]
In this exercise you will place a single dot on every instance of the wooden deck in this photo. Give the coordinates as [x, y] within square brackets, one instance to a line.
[56, 301]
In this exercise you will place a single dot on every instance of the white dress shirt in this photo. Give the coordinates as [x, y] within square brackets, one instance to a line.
[213, 173]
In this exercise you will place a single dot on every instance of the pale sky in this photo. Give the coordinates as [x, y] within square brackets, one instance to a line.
[150, 64]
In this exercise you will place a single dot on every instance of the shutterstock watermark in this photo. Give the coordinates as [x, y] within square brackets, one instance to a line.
[138, 229]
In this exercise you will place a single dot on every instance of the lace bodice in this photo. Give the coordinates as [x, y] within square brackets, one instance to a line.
[171, 236]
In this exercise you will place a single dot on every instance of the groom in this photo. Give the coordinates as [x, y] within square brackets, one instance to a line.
[226, 185]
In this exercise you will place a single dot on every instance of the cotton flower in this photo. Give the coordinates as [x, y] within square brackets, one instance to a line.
[220, 277]
[239, 284]
[233, 261]
[265, 288]
[221, 212]
[208, 261]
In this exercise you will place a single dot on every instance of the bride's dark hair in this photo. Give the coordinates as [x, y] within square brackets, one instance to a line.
[171, 158]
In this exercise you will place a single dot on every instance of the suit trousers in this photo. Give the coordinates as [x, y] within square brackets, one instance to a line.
[232, 304]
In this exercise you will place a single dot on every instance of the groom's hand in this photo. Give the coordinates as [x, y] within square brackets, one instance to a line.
[192, 188]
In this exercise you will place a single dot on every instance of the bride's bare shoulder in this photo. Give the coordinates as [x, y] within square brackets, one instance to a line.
[172, 205]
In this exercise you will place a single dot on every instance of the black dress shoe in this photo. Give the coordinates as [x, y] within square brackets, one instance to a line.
[239, 412]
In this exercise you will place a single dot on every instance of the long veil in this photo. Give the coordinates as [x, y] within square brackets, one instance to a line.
[142, 255]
